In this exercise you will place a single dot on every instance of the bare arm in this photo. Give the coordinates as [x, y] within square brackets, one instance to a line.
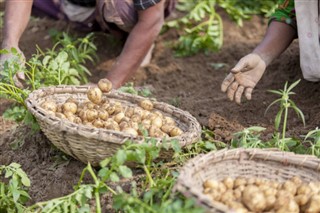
[277, 39]
[17, 14]
[138, 43]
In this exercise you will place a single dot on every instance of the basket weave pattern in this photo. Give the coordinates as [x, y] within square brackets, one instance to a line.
[90, 144]
[268, 164]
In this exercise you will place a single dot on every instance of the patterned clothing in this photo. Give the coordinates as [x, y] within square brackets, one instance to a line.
[109, 15]
[285, 13]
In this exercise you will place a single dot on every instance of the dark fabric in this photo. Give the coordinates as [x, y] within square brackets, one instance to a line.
[84, 3]
[144, 4]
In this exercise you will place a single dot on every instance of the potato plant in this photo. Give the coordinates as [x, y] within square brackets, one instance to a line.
[262, 195]
[100, 112]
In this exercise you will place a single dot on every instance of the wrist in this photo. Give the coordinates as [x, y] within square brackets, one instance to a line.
[264, 57]
[7, 44]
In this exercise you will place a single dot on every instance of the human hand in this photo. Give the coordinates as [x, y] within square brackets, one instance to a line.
[244, 77]
[19, 57]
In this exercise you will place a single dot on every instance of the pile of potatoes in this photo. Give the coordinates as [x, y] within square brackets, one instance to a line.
[260, 195]
[101, 112]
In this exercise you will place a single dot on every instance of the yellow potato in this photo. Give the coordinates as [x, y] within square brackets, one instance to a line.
[146, 104]
[70, 107]
[95, 95]
[49, 106]
[105, 85]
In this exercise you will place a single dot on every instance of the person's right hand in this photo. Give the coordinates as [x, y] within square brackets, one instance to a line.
[244, 77]
[19, 77]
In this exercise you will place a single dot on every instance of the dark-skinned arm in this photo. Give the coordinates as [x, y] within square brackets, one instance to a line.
[138, 44]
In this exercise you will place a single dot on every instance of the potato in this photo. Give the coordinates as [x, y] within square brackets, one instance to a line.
[123, 125]
[98, 123]
[167, 128]
[146, 104]
[169, 121]
[118, 107]
[296, 180]
[313, 205]
[70, 107]
[103, 114]
[89, 105]
[134, 125]
[138, 110]
[129, 111]
[227, 196]
[290, 207]
[111, 109]
[105, 85]
[77, 120]
[228, 182]
[111, 125]
[176, 131]
[130, 131]
[60, 115]
[302, 200]
[105, 106]
[239, 181]
[95, 95]
[72, 100]
[136, 118]
[158, 113]
[254, 198]
[270, 201]
[304, 189]
[49, 106]
[212, 184]
[91, 114]
[290, 187]
[154, 131]
[283, 198]
[214, 195]
[118, 117]
[145, 114]
[157, 121]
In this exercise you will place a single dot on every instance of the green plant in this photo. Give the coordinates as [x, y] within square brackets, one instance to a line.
[13, 184]
[248, 138]
[282, 116]
[313, 141]
[203, 26]
[63, 64]
[129, 88]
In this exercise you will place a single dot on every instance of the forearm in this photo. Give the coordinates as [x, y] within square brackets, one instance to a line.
[17, 14]
[138, 44]
[277, 39]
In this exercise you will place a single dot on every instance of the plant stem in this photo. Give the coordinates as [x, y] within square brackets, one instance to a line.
[146, 170]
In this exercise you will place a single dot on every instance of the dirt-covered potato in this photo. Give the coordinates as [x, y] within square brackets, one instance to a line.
[105, 85]
[118, 107]
[129, 111]
[254, 198]
[95, 95]
[146, 105]
[130, 131]
[313, 205]
[49, 106]
[169, 121]
[98, 123]
[157, 121]
[136, 118]
[176, 131]
[60, 115]
[70, 107]
[103, 114]
[91, 114]
[118, 117]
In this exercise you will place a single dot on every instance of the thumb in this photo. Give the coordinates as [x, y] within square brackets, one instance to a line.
[240, 66]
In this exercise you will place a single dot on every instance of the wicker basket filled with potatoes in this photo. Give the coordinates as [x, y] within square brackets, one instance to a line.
[253, 180]
[91, 122]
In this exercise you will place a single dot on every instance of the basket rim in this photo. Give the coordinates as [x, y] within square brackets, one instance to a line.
[184, 182]
[100, 133]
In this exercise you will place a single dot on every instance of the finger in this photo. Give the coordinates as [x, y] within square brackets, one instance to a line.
[226, 82]
[238, 94]
[248, 93]
[239, 66]
[232, 89]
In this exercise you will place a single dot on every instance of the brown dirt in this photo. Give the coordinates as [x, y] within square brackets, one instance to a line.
[191, 83]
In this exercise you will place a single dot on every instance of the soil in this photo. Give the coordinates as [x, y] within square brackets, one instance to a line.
[190, 83]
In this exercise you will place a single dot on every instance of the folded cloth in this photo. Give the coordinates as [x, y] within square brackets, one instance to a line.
[307, 14]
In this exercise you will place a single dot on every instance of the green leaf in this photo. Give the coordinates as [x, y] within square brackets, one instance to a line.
[103, 172]
[105, 162]
[25, 181]
[121, 157]
[114, 177]
[125, 171]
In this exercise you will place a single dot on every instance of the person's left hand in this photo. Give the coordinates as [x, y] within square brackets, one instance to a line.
[19, 77]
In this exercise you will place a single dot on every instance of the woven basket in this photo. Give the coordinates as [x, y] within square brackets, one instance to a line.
[268, 164]
[89, 144]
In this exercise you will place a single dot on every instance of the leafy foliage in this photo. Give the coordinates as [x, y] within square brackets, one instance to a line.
[13, 193]
[63, 64]
[203, 27]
